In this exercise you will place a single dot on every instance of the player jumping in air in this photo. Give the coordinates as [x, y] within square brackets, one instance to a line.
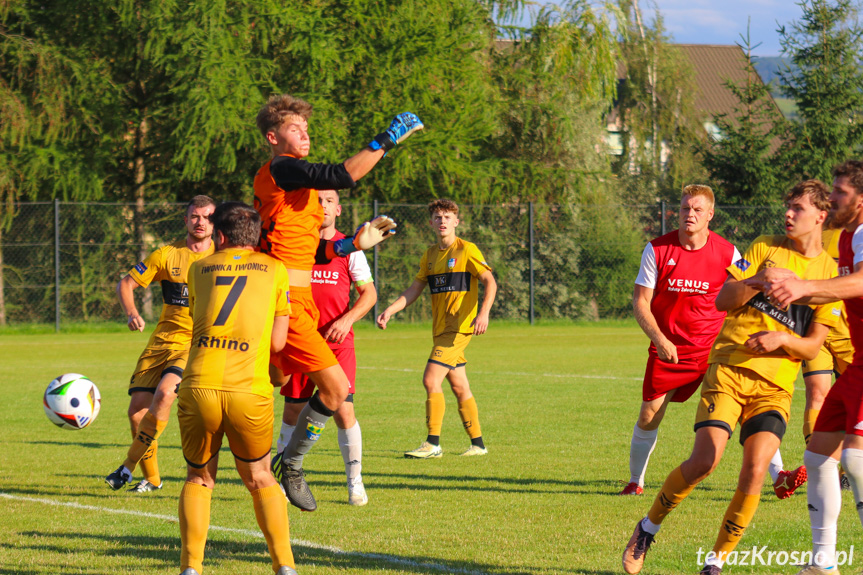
[451, 268]
[153, 387]
[286, 198]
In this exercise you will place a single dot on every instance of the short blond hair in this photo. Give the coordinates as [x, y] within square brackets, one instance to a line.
[279, 108]
[695, 190]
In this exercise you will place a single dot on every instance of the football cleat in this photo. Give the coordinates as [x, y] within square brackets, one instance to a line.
[844, 481]
[636, 549]
[474, 450]
[285, 570]
[144, 486]
[297, 490]
[425, 451]
[632, 488]
[357, 492]
[189, 571]
[710, 570]
[276, 465]
[118, 478]
[816, 570]
[788, 481]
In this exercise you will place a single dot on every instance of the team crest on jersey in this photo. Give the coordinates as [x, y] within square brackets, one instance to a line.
[742, 264]
[140, 267]
[175, 271]
[769, 264]
[451, 263]
[238, 257]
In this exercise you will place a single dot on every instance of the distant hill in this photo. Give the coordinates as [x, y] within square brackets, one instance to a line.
[768, 68]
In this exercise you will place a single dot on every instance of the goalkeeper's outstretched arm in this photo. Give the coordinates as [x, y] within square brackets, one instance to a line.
[406, 298]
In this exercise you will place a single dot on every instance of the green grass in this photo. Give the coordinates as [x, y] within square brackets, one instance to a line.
[557, 405]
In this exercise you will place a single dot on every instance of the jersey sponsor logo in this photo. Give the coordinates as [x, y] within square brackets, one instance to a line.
[859, 425]
[216, 268]
[449, 282]
[671, 262]
[325, 277]
[451, 263]
[251, 267]
[211, 342]
[844, 270]
[742, 264]
[796, 318]
[175, 293]
[836, 311]
[688, 286]
[140, 267]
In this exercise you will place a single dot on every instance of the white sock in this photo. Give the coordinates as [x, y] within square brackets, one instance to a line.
[351, 445]
[640, 448]
[825, 500]
[775, 466]
[650, 526]
[126, 473]
[284, 436]
[852, 463]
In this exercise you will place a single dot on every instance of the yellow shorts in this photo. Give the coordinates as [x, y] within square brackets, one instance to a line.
[448, 349]
[730, 394]
[208, 414]
[835, 355]
[155, 363]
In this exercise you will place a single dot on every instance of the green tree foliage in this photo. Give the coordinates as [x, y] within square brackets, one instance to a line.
[741, 159]
[826, 82]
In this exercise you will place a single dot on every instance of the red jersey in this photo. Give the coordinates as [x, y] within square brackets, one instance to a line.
[331, 289]
[851, 252]
[685, 284]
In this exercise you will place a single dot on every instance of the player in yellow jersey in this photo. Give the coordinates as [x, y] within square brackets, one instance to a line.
[752, 368]
[451, 269]
[160, 367]
[240, 303]
[836, 354]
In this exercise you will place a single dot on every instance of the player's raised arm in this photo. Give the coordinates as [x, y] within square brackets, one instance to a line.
[405, 299]
[125, 289]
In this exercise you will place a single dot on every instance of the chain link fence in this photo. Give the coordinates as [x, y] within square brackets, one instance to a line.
[60, 261]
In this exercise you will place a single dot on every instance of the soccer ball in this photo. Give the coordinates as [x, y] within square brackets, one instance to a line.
[72, 401]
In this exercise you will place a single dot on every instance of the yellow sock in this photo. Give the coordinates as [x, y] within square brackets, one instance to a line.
[194, 522]
[737, 517]
[271, 511]
[809, 417]
[435, 408]
[674, 490]
[469, 414]
[144, 448]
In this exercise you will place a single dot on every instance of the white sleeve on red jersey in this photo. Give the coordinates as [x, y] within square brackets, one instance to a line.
[857, 245]
[647, 272]
[736, 256]
[358, 266]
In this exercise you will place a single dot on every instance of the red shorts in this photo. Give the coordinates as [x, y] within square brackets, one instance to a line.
[660, 377]
[843, 406]
[299, 386]
[305, 350]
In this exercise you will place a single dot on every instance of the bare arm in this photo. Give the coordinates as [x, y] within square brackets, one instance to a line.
[362, 163]
[280, 333]
[641, 298]
[806, 348]
[125, 289]
[342, 326]
[405, 299]
[793, 289]
[734, 293]
[480, 323]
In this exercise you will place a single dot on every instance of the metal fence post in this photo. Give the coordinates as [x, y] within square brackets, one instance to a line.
[56, 264]
[375, 264]
[662, 208]
[530, 224]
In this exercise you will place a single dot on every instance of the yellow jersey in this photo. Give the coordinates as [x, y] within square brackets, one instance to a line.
[170, 266]
[234, 295]
[759, 315]
[451, 275]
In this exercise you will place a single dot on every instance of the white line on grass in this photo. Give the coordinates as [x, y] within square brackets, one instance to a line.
[256, 534]
[519, 373]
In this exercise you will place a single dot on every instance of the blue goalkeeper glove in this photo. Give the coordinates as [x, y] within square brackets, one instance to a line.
[401, 127]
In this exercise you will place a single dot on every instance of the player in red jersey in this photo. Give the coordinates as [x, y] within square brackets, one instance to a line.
[838, 434]
[331, 291]
[291, 217]
[681, 273]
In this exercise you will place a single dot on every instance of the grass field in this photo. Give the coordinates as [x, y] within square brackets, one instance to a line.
[557, 405]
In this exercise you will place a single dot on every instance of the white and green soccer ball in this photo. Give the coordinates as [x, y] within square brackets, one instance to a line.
[72, 401]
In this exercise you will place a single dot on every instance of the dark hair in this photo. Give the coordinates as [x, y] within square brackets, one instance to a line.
[238, 222]
[818, 192]
[853, 170]
[443, 205]
[200, 201]
[278, 108]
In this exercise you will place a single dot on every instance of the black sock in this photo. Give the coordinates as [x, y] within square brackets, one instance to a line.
[478, 442]
[433, 439]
